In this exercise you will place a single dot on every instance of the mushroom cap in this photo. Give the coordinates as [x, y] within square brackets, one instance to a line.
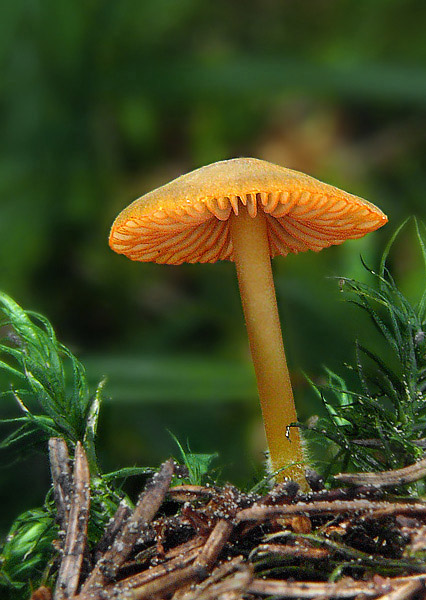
[187, 220]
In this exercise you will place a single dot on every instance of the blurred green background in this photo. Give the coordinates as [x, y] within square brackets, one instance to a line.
[101, 101]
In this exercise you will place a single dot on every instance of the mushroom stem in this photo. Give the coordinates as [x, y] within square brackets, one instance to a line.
[252, 259]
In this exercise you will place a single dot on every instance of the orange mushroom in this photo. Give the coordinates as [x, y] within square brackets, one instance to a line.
[248, 210]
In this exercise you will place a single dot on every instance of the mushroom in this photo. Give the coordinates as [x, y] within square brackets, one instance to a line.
[248, 210]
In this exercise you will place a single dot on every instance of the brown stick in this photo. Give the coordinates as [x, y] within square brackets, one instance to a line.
[147, 506]
[165, 585]
[69, 571]
[231, 576]
[141, 580]
[285, 550]
[177, 552]
[405, 590]
[121, 514]
[214, 544]
[392, 478]
[60, 469]
[181, 550]
[210, 551]
[374, 509]
[178, 558]
[185, 493]
[212, 587]
[306, 590]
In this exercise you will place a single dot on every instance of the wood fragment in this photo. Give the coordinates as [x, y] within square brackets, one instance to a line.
[185, 493]
[231, 576]
[164, 585]
[60, 469]
[305, 590]
[392, 478]
[214, 545]
[75, 540]
[345, 588]
[211, 549]
[405, 591]
[372, 508]
[290, 551]
[147, 506]
[137, 581]
[183, 550]
[407, 578]
[232, 588]
[121, 514]
[220, 572]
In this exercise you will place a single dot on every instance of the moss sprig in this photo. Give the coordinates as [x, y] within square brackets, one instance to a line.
[382, 424]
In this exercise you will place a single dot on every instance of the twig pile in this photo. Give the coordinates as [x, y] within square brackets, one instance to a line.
[208, 543]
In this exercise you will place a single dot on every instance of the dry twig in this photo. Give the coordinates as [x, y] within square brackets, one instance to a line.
[393, 478]
[145, 578]
[232, 576]
[371, 508]
[215, 543]
[122, 513]
[405, 591]
[75, 540]
[60, 469]
[149, 502]
[389, 589]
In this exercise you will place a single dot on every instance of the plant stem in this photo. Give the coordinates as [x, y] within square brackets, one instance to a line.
[253, 264]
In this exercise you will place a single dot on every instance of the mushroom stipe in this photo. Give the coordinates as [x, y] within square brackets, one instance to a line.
[248, 211]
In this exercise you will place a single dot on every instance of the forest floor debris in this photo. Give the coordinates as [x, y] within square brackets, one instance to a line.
[187, 542]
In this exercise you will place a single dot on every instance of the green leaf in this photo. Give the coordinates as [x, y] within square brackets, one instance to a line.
[388, 247]
[126, 472]
[49, 375]
[198, 465]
